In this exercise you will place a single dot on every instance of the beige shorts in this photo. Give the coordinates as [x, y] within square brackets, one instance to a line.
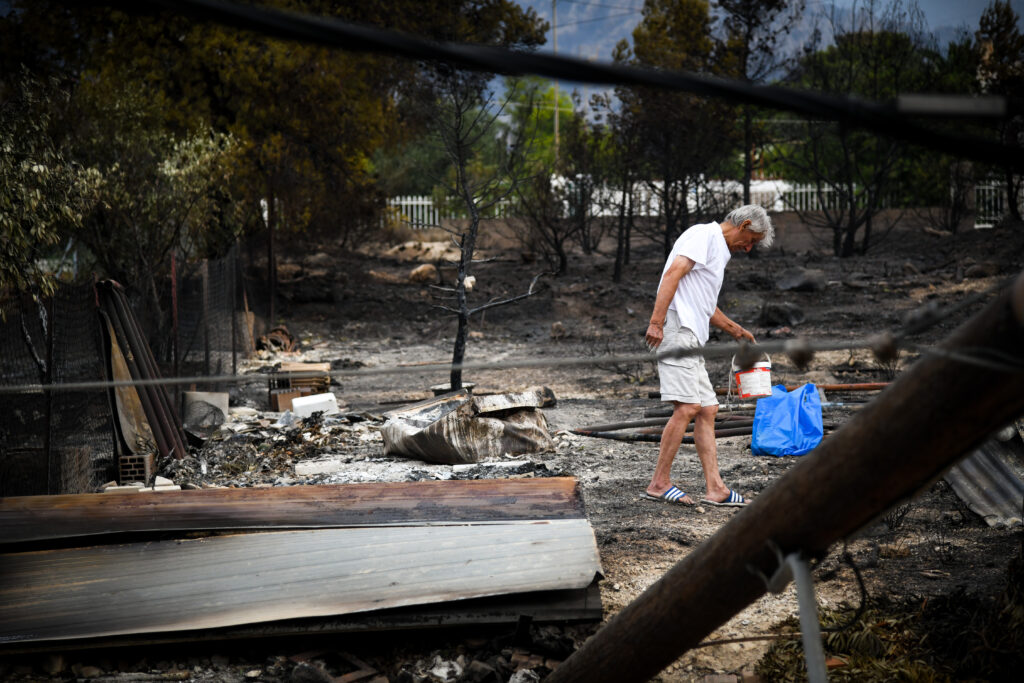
[683, 379]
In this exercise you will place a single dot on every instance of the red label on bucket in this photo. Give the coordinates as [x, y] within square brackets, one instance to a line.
[754, 383]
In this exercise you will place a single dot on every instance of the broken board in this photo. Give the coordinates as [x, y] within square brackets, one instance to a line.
[39, 518]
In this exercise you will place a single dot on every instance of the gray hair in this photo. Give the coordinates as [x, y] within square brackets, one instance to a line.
[759, 221]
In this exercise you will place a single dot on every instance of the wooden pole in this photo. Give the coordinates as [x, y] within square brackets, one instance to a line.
[888, 451]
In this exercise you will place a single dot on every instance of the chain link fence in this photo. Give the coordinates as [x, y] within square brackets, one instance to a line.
[64, 440]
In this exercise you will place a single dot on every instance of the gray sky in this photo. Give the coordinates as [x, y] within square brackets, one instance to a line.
[591, 28]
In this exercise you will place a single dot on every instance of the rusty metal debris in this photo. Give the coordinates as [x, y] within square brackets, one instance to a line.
[463, 428]
[125, 337]
[278, 339]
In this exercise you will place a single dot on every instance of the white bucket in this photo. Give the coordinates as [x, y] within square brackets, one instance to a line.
[754, 382]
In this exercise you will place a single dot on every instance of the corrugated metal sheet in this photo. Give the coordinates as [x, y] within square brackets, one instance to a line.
[248, 578]
[989, 482]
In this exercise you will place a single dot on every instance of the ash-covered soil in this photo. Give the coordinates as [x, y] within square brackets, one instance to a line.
[362, 314]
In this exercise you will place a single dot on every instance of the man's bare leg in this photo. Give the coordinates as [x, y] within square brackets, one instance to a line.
[671, 438]
[707, 451]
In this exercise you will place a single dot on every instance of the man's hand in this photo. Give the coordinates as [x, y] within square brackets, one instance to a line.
[655, 335]
[744, 333]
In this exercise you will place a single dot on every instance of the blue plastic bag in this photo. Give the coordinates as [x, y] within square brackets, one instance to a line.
[788, 423]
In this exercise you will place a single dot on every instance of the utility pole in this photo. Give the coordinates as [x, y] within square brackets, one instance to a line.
[554, 39]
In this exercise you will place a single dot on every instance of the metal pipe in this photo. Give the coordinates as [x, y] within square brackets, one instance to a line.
[655, 438]
[117, 331]
[656, 421]
[868, 465]
[826, 405]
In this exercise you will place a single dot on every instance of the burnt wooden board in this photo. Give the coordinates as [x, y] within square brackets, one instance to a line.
[571, 605]
[223, 581]
[36, 518]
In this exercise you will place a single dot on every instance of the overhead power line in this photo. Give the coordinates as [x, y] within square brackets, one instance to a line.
[604, 18]
[635, 10]
[333, 32]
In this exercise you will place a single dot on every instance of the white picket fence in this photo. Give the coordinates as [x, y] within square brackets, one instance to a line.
[990, 203]
[420, 212]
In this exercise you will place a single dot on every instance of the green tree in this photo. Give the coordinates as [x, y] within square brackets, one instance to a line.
[1000, 52]
[43, 195]
[682, 138]
[466, 123]
[753, 33]
[161, 192]
[879, 54]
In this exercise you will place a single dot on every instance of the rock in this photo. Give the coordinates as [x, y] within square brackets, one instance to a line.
[478, 672]
[254, 673]
[86, 671]
[781, 332]
[288, 271]
[558, 330]
[445, 670]
[801, 280]
[979, 270]
[162, 481]
[52, 664]
[775, 314]
[320, 259]
[424, 273]
[525, 676]
[305, 672]
[755, 282]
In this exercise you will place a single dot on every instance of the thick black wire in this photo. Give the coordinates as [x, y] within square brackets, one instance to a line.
[333, 32]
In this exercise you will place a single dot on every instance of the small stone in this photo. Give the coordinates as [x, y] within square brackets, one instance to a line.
[424, 273]
[52, 664]
[558, 330]
[307, 673]
[254, 673]
[162, 481]
[699, 510]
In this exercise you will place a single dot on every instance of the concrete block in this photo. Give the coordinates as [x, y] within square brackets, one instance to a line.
[123, 489]
[305, 469]
[304, 406]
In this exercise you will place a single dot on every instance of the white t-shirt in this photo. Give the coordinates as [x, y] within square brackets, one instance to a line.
[696, 296]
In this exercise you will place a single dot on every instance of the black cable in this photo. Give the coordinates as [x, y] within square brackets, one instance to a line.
[333, 32]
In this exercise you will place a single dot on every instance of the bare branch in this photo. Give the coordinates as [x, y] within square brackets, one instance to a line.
[494, 304]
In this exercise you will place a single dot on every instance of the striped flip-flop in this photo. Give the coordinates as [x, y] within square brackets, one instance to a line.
[734, 500]
[673, 495]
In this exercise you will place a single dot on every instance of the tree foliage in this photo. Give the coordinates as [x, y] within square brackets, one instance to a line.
[43, 195]
[753, 34]
[681, 138]
[1000, 55]
[879, 53]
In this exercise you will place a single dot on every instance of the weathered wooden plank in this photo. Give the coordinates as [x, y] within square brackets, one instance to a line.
[32, 518]
[249, 578]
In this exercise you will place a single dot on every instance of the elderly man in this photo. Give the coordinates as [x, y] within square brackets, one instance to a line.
[686, 304]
